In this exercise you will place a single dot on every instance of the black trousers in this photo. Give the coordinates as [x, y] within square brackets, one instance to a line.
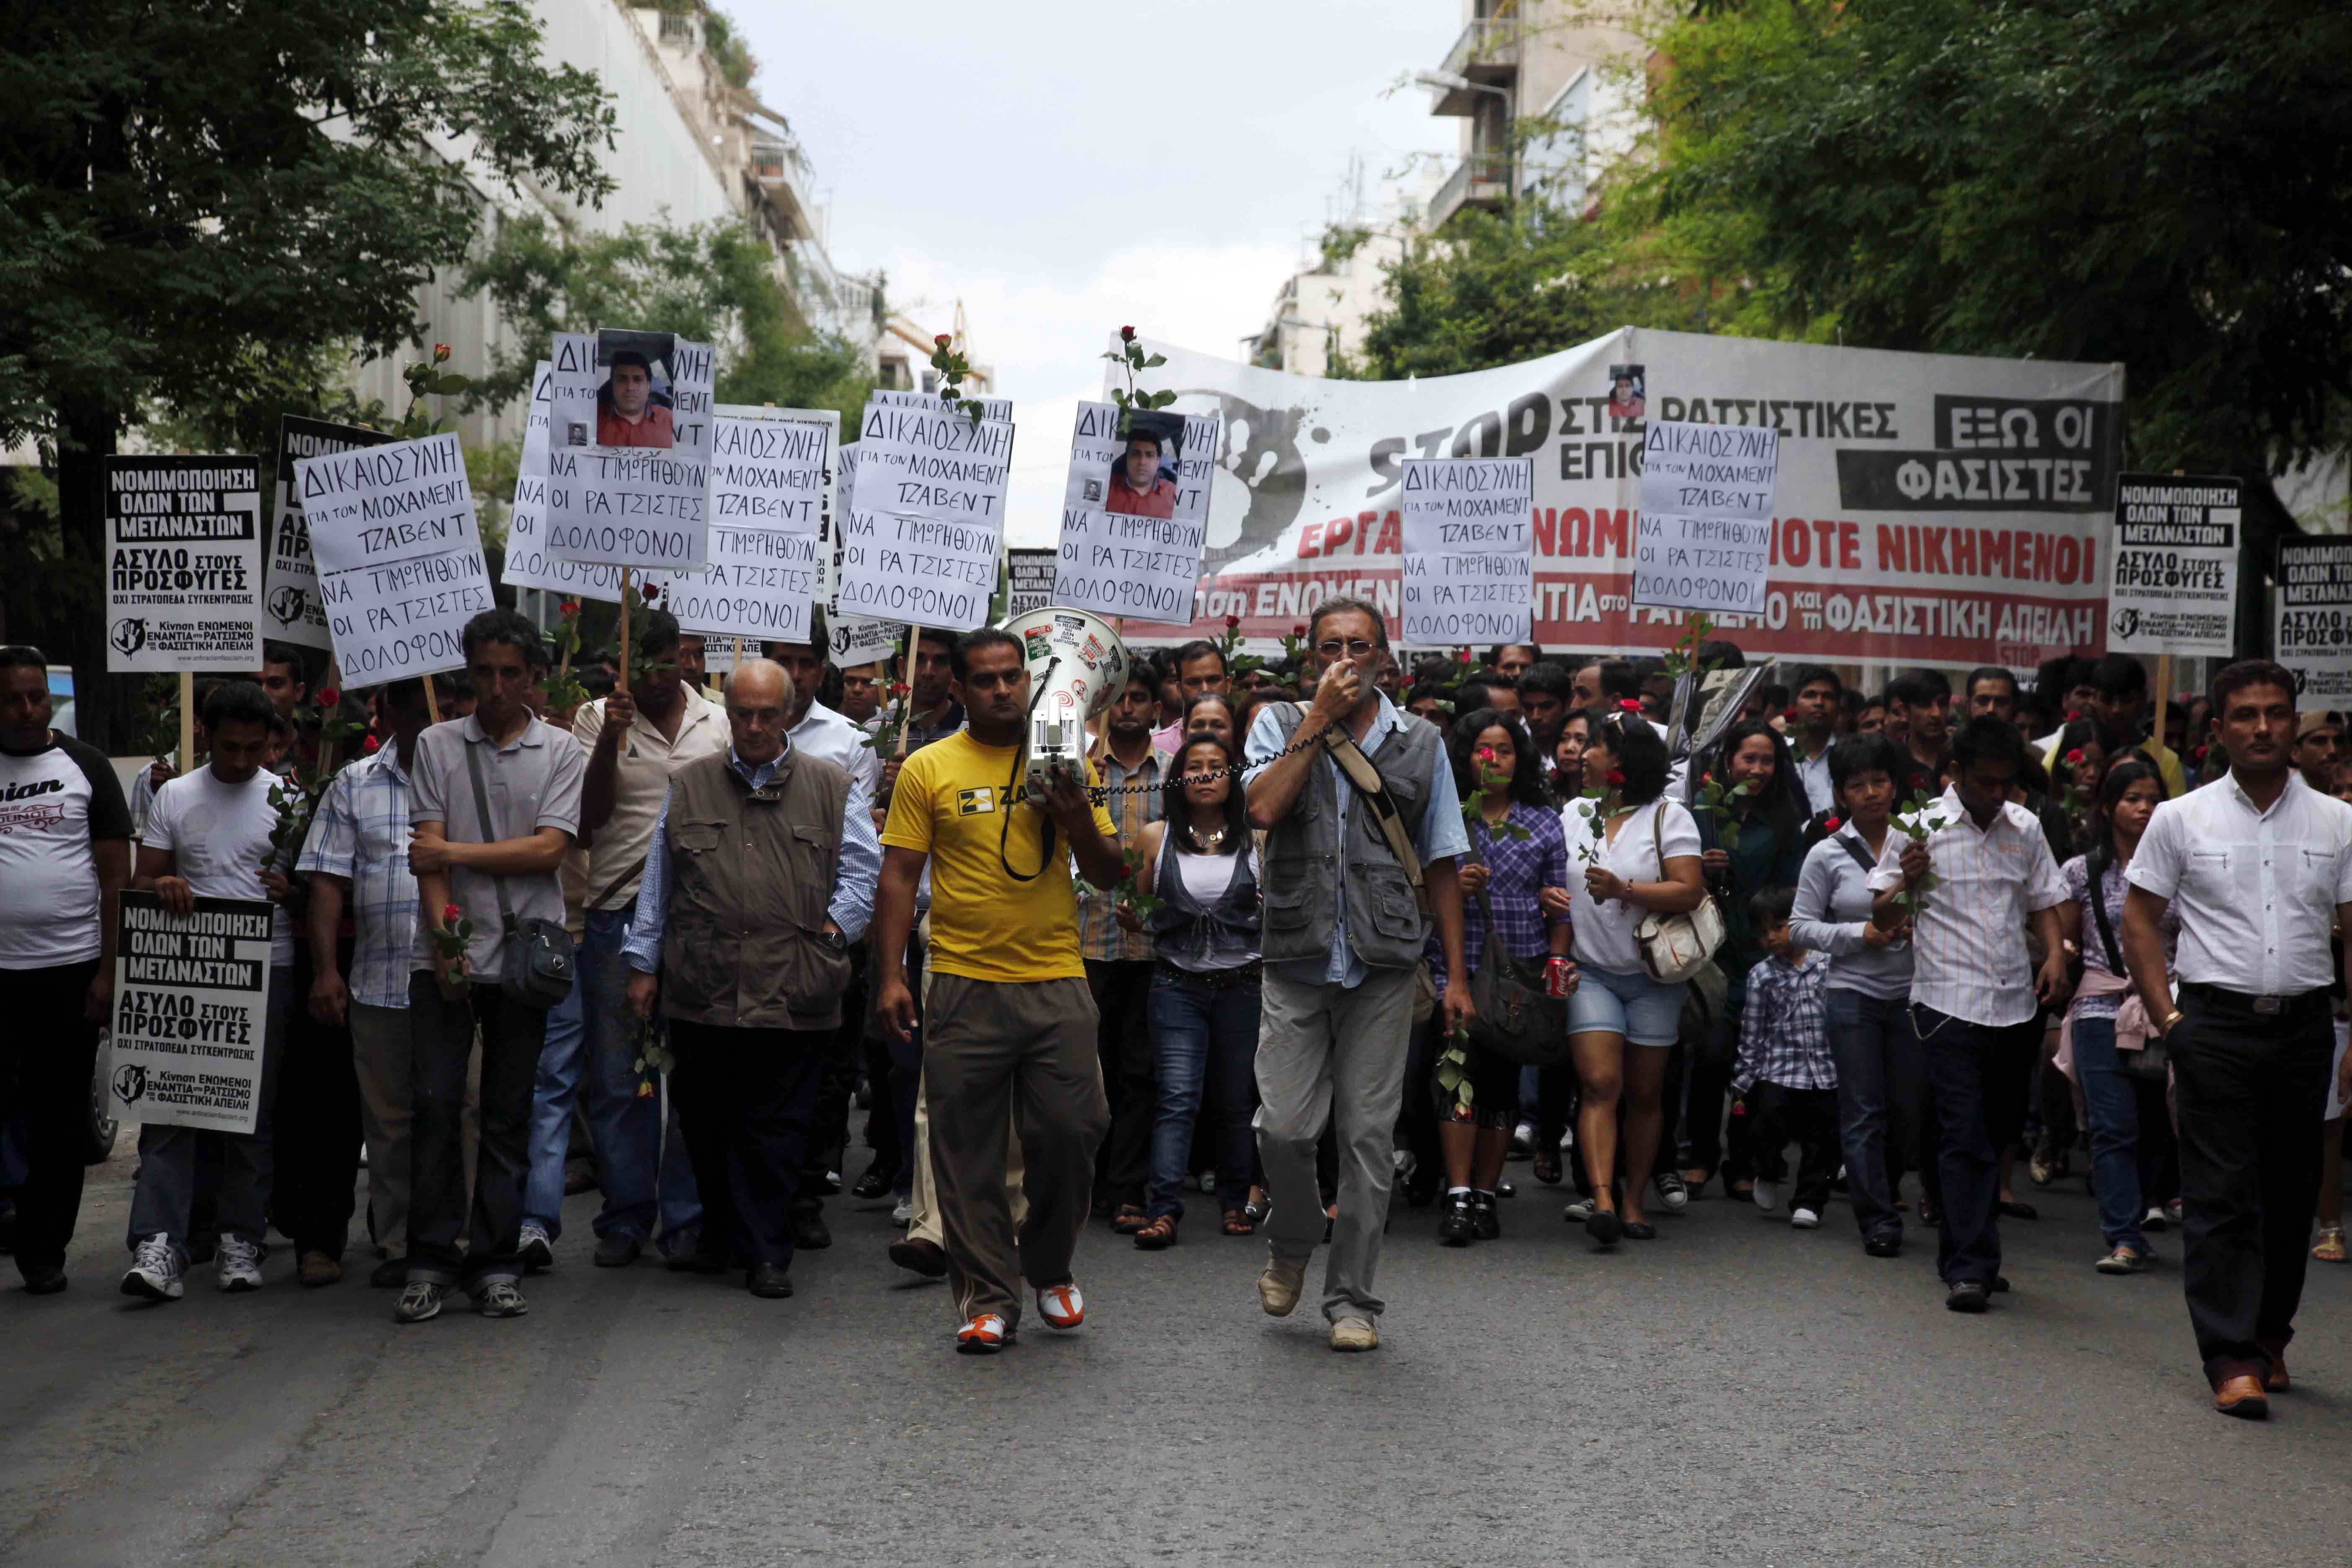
[1779, 1116]
[1122, 988]
[1716, 1140]
[746, 1102]
[315, 1127]
[838, 1049]
[49, 1051]
[2252, 1088]
[442, 1036]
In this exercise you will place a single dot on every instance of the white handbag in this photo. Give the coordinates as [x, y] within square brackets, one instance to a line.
[1675, 947]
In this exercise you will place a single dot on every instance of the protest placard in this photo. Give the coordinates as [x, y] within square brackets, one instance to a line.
[2172, 584]
[853, 639]
[758, 585]
[630, 431]
[1135, 511]
[526, 563]
[1704, 540]
[1029, 575]
[921, 533]
[182, 564]
[2311, 635]
[768, 471]
[191, 1010]
[399, 556]
[1469, 550]
[290, 583]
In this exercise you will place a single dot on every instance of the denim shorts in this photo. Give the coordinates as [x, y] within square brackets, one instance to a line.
[1644, 1011]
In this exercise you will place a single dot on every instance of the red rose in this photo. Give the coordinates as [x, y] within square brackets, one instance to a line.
[943, 339]
[1831, 824]
[1486, 754]
[1231, 621]
[2075, 756]
[440, 353]
[1127, 334]
[1298, 631]
[1616, 776]
[1463, 658]
[451, 914]
[2072, 715]
[652, 590]
[898, 689]
[570, 609]
[368, 744]
[1629, 705]
[1790, 715]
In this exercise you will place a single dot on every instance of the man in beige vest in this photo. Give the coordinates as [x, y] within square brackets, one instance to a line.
[761, 874]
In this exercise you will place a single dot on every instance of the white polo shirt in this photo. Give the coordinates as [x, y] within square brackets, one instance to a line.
[1968, 946]
[2256, 890]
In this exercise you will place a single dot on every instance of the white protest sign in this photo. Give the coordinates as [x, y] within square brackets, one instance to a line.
[526, 563]
[289, 599]
[768, 473]
[921, 533]
[2313, 633]
[1469, 550]
[758, 585]
[853, 639]
[191, 1011]
[1703, 540]
[2173, 568]
[182, 564]
[629, 486]
[399, 554]
[1134, 512]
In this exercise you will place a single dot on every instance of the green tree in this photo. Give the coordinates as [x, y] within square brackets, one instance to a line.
[713, 282]
[188, 192]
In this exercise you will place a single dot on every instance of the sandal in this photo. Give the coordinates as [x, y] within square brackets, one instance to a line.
[1238, 1223]
[1128, 1218]
[1159, 1233]
[2330, 1248]
[1548, 1167]
[1258, 1207]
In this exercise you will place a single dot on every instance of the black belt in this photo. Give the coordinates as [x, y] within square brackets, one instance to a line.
[2301, 1005]
[1250, 974]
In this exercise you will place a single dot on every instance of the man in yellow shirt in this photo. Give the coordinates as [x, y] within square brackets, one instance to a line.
[1010, 1022]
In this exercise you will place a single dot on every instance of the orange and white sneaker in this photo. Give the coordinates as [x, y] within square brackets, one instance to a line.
[1062, 1307]
[984, 1335]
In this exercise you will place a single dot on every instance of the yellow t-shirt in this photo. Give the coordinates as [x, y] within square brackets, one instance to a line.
[950, 802]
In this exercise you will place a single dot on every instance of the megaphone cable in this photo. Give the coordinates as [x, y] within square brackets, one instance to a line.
[1020, 765]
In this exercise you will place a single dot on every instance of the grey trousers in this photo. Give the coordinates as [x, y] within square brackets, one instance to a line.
[380, 1049]
[994, 1051]
[1328, 1054]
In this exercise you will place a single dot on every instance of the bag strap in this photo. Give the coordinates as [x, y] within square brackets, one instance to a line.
[617, 883]
[1862, 857]
[1658, 836]
[1366, 778]
[2107, 932]
[489, 834]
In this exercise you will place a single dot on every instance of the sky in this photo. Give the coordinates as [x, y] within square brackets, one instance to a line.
[1066, 170]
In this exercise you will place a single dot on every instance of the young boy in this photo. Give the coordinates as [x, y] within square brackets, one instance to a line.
[1785, 1069]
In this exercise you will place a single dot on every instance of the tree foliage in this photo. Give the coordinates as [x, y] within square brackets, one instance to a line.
[713, 282]
[189, 191]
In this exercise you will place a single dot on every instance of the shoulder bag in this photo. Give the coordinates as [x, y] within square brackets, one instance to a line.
[1517, 1018]
[1675, 947]
[535, 961]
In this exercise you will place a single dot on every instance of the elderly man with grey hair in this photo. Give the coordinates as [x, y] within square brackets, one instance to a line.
[1343, 933]
[761, 874]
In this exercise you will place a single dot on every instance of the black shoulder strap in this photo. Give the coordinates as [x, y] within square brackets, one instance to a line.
[2098, 891]
[1853, 846]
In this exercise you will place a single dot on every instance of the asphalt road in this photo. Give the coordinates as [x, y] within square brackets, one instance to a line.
[1734, 1392]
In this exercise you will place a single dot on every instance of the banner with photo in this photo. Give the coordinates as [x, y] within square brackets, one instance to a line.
[630, 437]
[1927, 508]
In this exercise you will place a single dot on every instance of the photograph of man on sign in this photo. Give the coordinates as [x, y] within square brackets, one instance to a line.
[633, 403]
[1143, 480]
[1625, 390]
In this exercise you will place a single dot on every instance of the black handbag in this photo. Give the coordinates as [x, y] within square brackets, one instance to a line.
[535, 957]
[1517, 1019]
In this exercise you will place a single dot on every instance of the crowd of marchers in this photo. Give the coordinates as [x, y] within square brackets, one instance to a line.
[1310, 942]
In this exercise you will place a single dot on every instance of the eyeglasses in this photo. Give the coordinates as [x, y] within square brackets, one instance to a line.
[1356, 648]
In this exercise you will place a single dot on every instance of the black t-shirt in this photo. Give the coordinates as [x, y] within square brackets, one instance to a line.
[54, 804]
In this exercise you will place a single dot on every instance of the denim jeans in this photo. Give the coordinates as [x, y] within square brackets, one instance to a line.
[1878, 1076]
[167, 1155]
[599, 1056]
[1190, 1023]
[1961, 1058]
[2111, 1100]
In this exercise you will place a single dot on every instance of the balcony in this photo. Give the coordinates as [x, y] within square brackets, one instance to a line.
[1481, 179]
[1487, 53]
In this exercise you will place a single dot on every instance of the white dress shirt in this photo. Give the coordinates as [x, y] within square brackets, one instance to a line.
[1968, 946]
[2255, 890]
[839, 740]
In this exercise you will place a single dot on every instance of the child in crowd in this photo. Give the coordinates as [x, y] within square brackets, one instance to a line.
[1785, 1070]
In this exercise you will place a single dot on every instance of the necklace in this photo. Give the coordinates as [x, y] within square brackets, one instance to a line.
[1207, 842]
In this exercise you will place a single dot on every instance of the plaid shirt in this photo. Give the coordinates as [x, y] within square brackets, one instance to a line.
[360, 834]
[1100, 936]
[1516, 868]
[1782, 1038]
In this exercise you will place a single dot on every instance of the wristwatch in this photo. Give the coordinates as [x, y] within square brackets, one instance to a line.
[2164, 1025]
[834, 940]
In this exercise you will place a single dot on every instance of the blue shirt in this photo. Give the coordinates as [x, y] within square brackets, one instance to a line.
[1441, 836]
[360, 834]
[850, 908]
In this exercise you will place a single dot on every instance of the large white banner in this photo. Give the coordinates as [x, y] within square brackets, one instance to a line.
[1927, 508]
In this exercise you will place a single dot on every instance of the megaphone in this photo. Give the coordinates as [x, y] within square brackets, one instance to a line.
[1077, 664]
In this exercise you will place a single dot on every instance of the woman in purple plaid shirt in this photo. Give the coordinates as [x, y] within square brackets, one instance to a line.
[1518, 848]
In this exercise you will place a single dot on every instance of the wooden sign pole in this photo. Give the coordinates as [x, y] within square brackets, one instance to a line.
[187, 757]
[432, 703]
[621, 681]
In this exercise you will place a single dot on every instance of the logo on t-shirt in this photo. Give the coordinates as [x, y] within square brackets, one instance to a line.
[975, 802]
[46, 816]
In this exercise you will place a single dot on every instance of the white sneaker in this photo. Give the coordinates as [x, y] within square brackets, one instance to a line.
[536, 1249]
[239, 1264]
[902, 1213]
[1767, 1195]
[154, 1270]
[2156, 1218]
[1523, 1138]
[1805, 1219]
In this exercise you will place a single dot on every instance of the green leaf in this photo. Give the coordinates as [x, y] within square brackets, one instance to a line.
[1155, 362]
[1462, 1092]
[448, 382]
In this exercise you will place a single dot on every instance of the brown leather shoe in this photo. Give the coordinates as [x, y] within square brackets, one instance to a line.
[316, 1269]
[2242, 1396]
[2274, 1379]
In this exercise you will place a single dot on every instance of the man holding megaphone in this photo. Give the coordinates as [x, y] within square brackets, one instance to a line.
[1010, 1024]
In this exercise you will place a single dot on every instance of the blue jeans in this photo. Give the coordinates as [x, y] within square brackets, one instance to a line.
[246, 1165]
[593, 1047]
[1190, 1025]
[2111, 1100]
[1878, 1077]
